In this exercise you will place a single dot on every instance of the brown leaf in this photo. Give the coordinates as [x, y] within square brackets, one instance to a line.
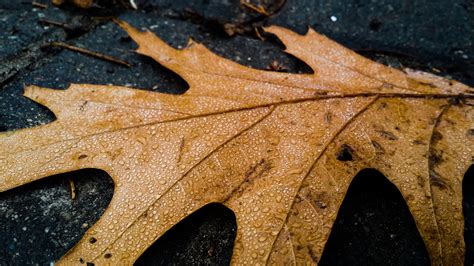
[79, 3]
[278, 149]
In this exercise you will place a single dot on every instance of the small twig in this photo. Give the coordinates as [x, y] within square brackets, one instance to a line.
[257, 32]
[133, 4]
[55, 23]
[259, 9]
[40, 5]
[90, 53]
[73, 189]
[103, 18]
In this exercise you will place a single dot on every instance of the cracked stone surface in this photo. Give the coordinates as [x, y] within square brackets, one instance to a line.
[39, 222]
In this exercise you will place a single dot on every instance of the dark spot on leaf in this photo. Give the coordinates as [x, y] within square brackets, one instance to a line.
[82, 156]
[387, 135]
[457, 100]
[378, 148]
[436, 137]
[420, 180]
[449, 121]
[418, 142]
[294, 212]
[83, 105]
[436, 180]
[320, 93]
[81, 260]
[257, 170]
[382, 105]
[107, 255]
[409, 197]
[90, 264]
[470, 132]
[254, 172]
[92, 240]
[320, 204]
[428, 84]
[345, 153]
[298, 199]
[328, 117]
[435, 158]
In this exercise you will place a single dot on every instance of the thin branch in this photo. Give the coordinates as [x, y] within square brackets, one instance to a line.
[90, 53]
[72, 188]
[55, 23]
[40, 5]
[258, 9]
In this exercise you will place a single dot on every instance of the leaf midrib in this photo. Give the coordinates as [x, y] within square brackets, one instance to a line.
[429, 96]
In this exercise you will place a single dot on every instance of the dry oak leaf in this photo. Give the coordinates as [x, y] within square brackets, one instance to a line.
[79, 3]
[278, 149]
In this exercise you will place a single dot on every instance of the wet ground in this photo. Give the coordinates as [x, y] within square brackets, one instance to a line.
[39, 222]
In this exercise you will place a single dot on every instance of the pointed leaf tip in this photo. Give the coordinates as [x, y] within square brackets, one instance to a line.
[132, 31]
